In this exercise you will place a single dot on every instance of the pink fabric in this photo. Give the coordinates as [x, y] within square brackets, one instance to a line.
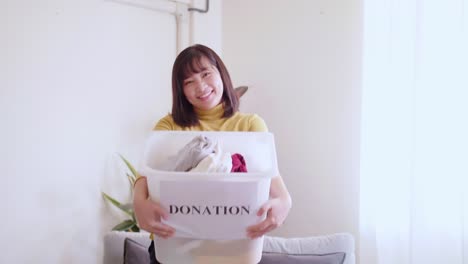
[238, 163]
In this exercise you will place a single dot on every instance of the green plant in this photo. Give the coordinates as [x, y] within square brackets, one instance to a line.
[129, 225]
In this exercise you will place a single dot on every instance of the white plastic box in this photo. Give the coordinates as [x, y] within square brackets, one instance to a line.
[215, 238]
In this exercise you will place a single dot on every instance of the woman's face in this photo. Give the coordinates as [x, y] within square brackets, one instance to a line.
[204, 90]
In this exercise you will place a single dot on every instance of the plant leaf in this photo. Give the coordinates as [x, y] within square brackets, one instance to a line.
[125, 225]
[129, 166]
[135, 228]
[127, 207]
[132, 183]
[117, 204]
[131, 178]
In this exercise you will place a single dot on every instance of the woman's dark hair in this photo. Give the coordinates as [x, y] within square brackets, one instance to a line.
[187, 63]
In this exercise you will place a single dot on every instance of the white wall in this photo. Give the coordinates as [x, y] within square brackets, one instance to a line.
[207, 27]
[80, 81]
[302, 61]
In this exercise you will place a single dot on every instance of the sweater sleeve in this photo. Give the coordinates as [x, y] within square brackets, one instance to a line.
[257, 124]
[164, 123]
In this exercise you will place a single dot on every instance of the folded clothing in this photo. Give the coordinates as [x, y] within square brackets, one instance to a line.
[191, 154]
[202, 154]
[238, 163]
[215, 162]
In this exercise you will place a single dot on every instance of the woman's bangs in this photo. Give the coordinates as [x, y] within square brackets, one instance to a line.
[191, 66]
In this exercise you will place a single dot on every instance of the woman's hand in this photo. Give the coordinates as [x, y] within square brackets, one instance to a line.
[276, 210]
[149, 213]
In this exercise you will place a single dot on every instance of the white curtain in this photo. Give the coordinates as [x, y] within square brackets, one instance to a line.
[414, 152]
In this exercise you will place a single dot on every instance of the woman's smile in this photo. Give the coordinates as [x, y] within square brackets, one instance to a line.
[205, 96]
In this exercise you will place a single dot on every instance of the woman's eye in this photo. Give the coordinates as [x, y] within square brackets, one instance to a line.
[188, 82]
[206, 74]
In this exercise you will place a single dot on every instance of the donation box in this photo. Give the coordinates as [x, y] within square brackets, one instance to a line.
[210, 211]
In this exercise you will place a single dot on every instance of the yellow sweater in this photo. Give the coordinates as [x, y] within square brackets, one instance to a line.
[212, 120]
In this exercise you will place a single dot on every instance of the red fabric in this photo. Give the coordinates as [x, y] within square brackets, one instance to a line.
[238, 163]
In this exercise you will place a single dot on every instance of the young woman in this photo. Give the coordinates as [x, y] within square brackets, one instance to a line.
[204, 100]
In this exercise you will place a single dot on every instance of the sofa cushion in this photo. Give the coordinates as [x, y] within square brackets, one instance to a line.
[114, 244]
[135, 253]
[281, 258]
[315, 245]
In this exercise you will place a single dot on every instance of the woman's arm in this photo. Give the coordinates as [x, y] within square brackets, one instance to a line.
[277, 209]
[279, 204]
[149, 213]
[278, 189]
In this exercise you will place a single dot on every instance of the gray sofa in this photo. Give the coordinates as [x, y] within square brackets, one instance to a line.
[128, 248]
